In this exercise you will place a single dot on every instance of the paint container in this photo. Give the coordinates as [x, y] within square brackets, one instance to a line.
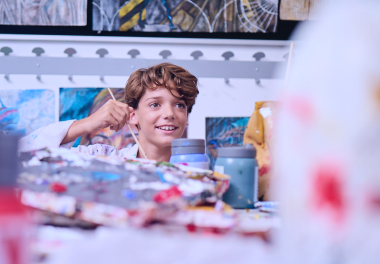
[190, 152]
[241, 165]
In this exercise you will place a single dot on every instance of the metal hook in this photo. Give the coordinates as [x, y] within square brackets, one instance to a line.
[165, 54]
[70, 52]
[286, 56]
[258, 56]
[133, 53]
[102, 53]
[227, 55]
[196, 54]
[6, 51]
[38, 51]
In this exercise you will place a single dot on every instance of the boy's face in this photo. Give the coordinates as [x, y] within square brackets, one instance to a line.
[161, 117]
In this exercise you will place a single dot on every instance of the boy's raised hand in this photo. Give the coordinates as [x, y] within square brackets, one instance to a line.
[112, 114]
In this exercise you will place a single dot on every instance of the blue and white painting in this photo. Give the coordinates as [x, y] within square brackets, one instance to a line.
[23, 111]
[223, 132]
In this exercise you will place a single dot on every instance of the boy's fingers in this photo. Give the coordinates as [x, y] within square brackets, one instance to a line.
[120, 119]
[120, 104]
[120, 111]
[123, 107]
[113, 121]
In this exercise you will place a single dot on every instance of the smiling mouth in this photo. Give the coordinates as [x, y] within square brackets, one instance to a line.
[167, 128]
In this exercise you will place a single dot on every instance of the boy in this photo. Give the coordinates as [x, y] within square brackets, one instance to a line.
[158, 101]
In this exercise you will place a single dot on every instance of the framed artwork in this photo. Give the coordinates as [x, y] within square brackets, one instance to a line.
[208, 16]
[300, 10]
[43, 13]
[223, 132]
[216, 19]
[79, 103]
[23, 111]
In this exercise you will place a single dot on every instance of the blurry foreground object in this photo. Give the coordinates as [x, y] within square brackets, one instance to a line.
[328, 140]
[259, 133]
[13, 224]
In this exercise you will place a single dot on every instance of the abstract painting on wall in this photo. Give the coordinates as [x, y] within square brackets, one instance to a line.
[79, 103]
[300, 10]
[23, 111]
[43, 12]
[223, 132]
[185, 15]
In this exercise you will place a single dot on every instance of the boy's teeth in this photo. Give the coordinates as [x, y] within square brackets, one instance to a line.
[166, 128]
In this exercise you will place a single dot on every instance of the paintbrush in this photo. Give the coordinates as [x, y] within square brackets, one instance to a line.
[133, 134]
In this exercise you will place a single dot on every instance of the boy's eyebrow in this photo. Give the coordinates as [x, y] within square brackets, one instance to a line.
[155, 97]
[159, 97]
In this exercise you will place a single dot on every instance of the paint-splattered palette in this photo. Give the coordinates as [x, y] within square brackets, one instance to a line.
[115, 191]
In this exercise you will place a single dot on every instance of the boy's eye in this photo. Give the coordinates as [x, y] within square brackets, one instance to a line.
[181, 105]
[154, 105]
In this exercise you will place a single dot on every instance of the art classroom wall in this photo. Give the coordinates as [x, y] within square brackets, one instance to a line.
[216, 98]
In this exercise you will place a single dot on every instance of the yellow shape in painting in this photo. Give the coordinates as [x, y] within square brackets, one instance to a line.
[130, 23]
[129, 7]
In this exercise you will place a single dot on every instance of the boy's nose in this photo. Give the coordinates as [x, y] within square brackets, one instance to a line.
[168, 113]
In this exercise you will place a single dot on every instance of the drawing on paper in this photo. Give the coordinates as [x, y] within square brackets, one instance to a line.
[79, 103]
[23, 111]
[43, 13]
[301, 9]
[223, 132]
[185, 15]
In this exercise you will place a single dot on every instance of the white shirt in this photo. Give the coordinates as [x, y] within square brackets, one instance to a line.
[52, 135]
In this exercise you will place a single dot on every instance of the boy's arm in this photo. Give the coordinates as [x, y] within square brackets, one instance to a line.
[76, 130]
[112, 114]
[48, 136]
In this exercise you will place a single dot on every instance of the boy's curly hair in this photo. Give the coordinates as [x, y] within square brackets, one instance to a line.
[167, 75]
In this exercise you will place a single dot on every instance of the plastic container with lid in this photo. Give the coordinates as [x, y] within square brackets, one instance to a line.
[190, 152]
[241, 165]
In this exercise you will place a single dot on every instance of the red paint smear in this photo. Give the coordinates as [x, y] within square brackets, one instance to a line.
[58, 187]
[11, 207]
[167, 195]
[9, 203]
[374, 202]
[264, 170]
[7, 113]
[301, 108]
[191, 228]
[329, 189]
[13, 248]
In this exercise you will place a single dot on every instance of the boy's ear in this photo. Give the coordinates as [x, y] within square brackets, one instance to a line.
[133, 119]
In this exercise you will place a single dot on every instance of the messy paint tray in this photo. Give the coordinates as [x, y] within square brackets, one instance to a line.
[114, 191]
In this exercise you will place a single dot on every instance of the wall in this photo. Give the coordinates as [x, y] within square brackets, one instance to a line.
[216, 98]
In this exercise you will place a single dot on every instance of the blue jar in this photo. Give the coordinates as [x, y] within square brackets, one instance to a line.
[241, 165]
[190, 152]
